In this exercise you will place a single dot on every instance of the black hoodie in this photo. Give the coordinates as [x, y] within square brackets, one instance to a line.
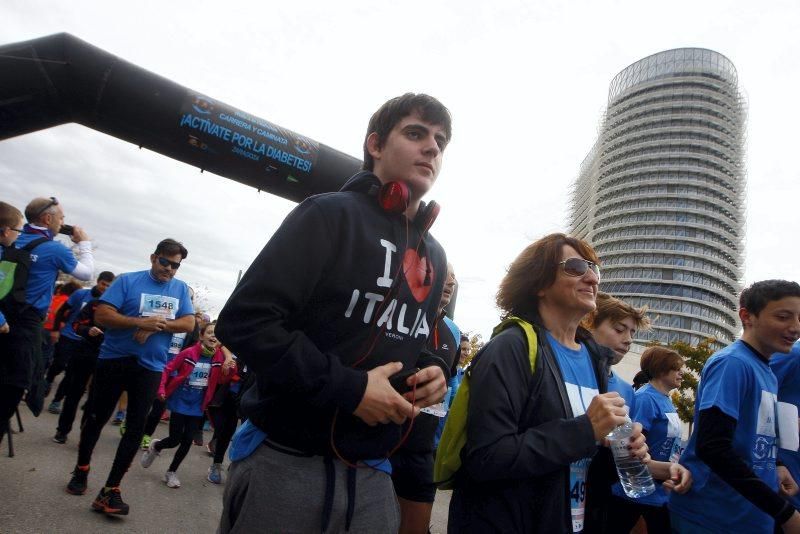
[325, 301]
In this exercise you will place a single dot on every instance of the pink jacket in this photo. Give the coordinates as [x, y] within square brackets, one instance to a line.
[184, 364]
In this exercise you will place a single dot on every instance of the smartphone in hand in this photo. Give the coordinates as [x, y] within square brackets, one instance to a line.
[398, 380]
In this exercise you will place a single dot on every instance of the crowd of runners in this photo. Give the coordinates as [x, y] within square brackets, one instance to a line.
[338, 386]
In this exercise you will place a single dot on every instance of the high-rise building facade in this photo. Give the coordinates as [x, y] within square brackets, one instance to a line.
[660, 195]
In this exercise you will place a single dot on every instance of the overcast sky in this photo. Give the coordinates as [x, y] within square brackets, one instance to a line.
[526, 83]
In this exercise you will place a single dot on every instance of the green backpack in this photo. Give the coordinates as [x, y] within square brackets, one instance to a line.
[15, 263]
[454, 436]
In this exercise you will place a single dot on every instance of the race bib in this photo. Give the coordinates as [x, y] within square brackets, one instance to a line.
[673, 425]
[788, 436]
[152, 305]
[677, 450]
[199, 376]
[766, 414]
[577, 492]
[437, 410]
[176, 343]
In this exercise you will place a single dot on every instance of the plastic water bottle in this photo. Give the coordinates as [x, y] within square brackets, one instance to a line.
[633, 474]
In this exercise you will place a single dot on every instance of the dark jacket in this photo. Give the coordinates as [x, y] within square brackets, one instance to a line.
[521, 438]
[341, 287]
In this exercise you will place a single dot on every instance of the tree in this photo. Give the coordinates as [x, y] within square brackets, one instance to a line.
[476, 343]
[695, 358]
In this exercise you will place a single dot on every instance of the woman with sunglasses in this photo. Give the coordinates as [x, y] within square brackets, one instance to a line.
[534, 423]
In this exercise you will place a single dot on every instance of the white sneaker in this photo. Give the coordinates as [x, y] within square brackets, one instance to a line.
[171, 478]
[150, 454]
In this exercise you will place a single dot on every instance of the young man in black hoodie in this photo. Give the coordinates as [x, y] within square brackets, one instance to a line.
[342, 298]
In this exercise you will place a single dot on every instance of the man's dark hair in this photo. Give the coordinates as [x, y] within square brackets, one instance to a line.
[756, 297]
[105, 276]
[396, 109]
[170, 247]
[9, 215]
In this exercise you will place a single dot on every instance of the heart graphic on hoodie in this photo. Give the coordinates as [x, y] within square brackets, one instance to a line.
[419, 275]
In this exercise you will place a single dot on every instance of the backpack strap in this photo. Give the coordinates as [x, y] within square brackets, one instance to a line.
[33, 244]
[530, 336]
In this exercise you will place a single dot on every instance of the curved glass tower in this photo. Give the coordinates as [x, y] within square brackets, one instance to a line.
[660, 195]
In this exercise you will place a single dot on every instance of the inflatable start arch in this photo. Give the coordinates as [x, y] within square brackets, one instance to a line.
[58, 79]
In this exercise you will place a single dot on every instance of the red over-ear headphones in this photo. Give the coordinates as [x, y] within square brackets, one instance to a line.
[393, 198]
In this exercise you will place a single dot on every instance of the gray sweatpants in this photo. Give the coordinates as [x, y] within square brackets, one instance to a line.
[270, 491]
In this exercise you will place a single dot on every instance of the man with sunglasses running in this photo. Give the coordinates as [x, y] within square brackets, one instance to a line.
[140, 311]
[22, 352]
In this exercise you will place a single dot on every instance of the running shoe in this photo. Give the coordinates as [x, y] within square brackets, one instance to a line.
[146, 442]
[60, 438]
[55, 407]
[109, 501]
[171, 478]
[164, 417]
[215, 474]
[119, 418]
[150, 454]
[77, 484]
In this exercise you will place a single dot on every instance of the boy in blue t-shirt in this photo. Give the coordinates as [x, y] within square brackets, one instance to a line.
[732, 453]
[787, 370]
[140, 312]
[614, 323]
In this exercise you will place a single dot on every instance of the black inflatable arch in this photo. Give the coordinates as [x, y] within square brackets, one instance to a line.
[60, 78]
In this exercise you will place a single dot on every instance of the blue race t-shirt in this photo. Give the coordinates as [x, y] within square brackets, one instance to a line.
[659, 419]
[581, 385]
[76, 302]
[787, 370]
[46, 260]
[625, 390]
[740, 384]
[187, 399]
[140, 295]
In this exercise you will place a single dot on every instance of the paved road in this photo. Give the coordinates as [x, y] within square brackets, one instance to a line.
[33, 499]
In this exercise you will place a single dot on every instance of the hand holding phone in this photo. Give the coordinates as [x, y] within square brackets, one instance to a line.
[399, 380]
